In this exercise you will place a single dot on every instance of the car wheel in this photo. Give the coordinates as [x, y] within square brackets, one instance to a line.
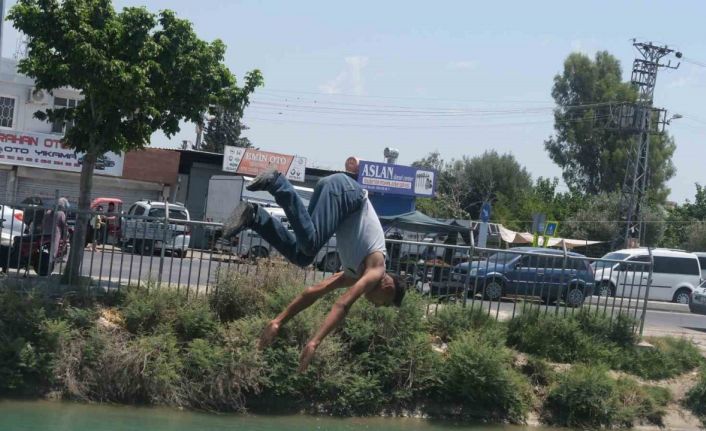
[493, 290]
[575, 297]
[143, 247]
[331, 262]
[606, 289]
[683, 296]
[258, 253]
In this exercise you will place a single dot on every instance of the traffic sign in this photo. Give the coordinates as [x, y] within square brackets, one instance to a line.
[550, 228]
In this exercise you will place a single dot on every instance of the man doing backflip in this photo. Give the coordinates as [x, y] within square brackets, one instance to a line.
[338, 205]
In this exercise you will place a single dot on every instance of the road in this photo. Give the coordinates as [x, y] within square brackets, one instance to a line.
[111, 268]
[656, 322]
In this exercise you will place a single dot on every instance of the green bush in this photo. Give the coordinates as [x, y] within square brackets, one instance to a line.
[452, 320]
[539, 371]
[587, 397]
[670, 357]
[194, 319]
[147, 308]
[237, 295]
[28, 337]
[218, 374]
[477, 375]
[392, 346]
[696, 397]
[559, 338]
[81, 318]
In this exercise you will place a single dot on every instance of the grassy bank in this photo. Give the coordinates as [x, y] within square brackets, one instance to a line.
[153, 346]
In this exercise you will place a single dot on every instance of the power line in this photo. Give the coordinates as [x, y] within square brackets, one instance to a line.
[411, 126]
[426, 109]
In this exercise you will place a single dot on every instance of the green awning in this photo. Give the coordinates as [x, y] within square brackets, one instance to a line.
[420, 222]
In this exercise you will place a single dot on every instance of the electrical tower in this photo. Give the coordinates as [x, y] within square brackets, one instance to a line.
[642, 120]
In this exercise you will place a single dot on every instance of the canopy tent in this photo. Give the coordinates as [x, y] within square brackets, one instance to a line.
[512, 237]
[420, 222]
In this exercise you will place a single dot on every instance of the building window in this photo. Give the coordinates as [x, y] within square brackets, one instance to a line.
[63, 126]
[7, 111]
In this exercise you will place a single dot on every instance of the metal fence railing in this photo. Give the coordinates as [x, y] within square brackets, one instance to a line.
[123, 250]
[506, 282]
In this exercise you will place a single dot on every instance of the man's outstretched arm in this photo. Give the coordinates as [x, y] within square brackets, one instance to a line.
[300, 303]
[374, 272]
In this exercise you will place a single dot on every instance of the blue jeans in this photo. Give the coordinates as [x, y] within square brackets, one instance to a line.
[335, 198]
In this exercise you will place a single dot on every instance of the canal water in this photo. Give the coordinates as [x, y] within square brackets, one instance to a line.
[58, 416]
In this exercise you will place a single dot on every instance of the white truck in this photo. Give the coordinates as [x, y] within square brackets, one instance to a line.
[225, 192]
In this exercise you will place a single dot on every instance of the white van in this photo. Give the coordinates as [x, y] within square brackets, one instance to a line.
[674, 277]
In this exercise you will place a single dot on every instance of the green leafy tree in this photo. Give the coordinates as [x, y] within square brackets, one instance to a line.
[685, 223]
[138, 72]
[598, 219]
[464, 184]
[224, 128]
[448, 200]
[592, 156]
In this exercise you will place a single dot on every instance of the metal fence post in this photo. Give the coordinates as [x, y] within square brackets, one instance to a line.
[467, 278]
[164, 242]
[647, 290]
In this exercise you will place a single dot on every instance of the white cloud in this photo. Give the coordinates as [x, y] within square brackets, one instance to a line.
[350, 79]
[461, 65]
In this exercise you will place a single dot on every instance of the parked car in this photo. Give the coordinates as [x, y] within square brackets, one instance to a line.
[149, 234]
[250, 244]
[674, 277]
[529, 271]
[11, 224]
[698, 299]
[702, 262]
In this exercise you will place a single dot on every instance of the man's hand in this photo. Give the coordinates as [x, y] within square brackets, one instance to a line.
[268, 335]
[306, 356]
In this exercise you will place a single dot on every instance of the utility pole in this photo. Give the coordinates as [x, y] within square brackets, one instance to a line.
[643, 120]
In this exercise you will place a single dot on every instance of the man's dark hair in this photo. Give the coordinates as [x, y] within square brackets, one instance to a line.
[400, 289]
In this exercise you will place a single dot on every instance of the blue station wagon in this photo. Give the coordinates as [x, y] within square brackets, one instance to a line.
[529, 271]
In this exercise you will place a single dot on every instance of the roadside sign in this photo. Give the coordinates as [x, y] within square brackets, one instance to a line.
[396, 179]
[550, 228]
[538, 222]
[485, 212]
[249, 161]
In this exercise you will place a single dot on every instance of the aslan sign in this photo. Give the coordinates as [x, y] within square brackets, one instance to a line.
[396, 179]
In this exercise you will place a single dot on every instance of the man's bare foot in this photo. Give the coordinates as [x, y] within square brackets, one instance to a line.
[268, 335]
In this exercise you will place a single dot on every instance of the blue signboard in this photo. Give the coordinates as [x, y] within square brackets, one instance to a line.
[396, 179]
[485, 212]
[550, 229]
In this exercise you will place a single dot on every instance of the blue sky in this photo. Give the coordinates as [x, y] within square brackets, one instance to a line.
[460, 77]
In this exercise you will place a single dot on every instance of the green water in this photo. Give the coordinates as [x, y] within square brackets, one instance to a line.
[56, 416]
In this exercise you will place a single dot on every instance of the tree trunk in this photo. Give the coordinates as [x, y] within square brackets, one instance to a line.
[72, 272]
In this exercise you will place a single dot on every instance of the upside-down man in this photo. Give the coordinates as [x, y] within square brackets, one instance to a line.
[339, 205]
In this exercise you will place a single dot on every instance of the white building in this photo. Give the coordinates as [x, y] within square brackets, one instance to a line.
[33, 161]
